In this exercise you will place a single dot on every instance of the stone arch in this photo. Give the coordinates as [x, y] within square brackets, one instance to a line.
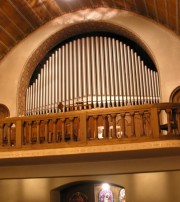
[61, 35]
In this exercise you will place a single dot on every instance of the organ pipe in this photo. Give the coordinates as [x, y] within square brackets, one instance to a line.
[101, 70]
[124, 93]
[89, 84]
[111, 73]
[116, 100]
[108, 89]
[119, 76]
[103, 84]
[134, 84]
[130, 76]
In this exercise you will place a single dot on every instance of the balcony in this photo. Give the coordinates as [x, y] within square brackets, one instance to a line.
[128, 128]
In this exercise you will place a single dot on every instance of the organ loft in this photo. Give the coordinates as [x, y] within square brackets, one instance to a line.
[90, 87]
[89, 100]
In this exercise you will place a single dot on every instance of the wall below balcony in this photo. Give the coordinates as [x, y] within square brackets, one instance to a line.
[143, 187]
[163, 45]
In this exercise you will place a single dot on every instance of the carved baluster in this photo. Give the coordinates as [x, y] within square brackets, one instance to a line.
[54, 139]
[95, 127]
[114, 125]
[106, 126]
[88, 128]
[168, 111]
[30, 131]
[132, 124]
[123, 124]
[63, 129]
[9, 134]
[141, 113]
[72, 128]
[38, 131]
[110, 127]
[24, 138]
[46, 130]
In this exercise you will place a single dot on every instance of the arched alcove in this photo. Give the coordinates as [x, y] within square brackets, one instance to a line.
[4, 111]
[60, 36]
[175, 95]
[89, 191]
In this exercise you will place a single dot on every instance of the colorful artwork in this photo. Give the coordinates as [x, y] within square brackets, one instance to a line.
[78, 197]
[122, 195]
[106, 196]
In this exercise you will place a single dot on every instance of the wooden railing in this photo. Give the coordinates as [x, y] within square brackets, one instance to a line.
[111, 125]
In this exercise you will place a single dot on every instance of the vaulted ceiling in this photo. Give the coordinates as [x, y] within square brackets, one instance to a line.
[18, 18]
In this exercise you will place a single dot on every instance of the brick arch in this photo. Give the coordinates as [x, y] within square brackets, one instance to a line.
[60, 36]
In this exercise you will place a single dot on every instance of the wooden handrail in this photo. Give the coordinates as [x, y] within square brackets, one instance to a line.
[128, 123]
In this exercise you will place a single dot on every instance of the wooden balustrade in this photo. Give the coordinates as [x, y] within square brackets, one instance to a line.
[126, 124]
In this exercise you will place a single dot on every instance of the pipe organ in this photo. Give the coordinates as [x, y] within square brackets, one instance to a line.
[95, 71]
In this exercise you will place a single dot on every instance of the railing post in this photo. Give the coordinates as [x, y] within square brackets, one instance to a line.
[19, 134]
[83, 126]
[155, 122]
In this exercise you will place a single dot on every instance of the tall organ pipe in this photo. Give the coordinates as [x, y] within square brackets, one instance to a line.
[101, 70]
[111, 72]
[114, 50]
[102, 73]
[124, 93]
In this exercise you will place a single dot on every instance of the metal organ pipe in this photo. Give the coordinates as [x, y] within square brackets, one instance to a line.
[102, 73]
[124, 93]
[119, 88]
[126, 83]
[116, 101]
[71, 73]
[111, 73]
[134, 85]
[99, 70]
[67, 98]
[56, 82]
[130, 76]
[97, 58]
[89, 84]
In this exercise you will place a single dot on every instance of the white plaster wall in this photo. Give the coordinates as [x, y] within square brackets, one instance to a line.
[163, 44]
